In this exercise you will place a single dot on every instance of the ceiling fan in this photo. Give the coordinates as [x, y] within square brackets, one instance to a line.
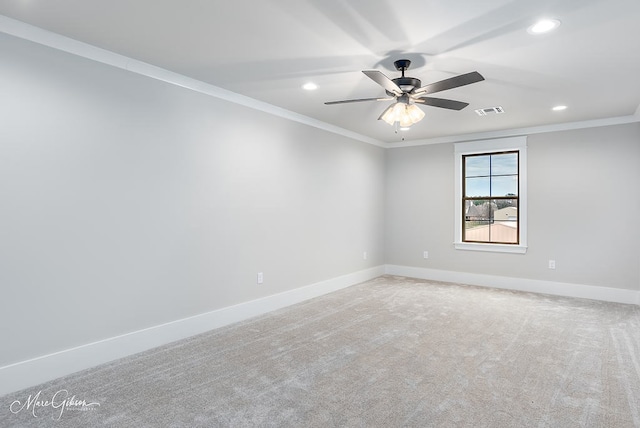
[407, 92]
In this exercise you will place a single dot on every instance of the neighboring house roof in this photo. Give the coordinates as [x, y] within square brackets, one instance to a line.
[481, 211]
[500, 232]
[473, 211]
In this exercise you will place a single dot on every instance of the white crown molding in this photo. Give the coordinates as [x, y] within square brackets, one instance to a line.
[592, 292]
[25, 374]
[567, 126]
[47, 38]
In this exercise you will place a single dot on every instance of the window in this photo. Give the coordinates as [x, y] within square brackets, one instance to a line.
[491, 195]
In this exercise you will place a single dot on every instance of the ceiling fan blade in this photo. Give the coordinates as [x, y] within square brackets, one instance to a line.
[358, 100]
[383, 81]
[441, 102]
[453, 82]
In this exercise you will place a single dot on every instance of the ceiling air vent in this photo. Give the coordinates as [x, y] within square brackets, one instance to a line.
[490, 110]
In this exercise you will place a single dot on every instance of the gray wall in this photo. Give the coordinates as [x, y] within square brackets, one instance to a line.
[128, 202]
[584, 201]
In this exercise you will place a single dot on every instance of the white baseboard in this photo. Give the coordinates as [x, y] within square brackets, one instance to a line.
[593, 292]
[35, 371]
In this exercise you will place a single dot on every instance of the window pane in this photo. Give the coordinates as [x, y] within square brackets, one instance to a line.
[477, 187]
[505, 209]
[477, 166]
[503, 186]
[504, 164]
[493, 220]
[476, 231]
[504, 231]
[479, 210]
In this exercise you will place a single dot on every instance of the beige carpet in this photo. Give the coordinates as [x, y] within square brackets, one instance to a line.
[391, 352]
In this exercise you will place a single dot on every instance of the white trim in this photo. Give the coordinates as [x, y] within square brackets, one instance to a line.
[491, 145]
[593, 292]
[488, 146]
[32, 372]
[66, 44]
[566, 126]
[494, 248]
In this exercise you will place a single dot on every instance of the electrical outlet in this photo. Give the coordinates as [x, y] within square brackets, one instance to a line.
[260, 278]
[425, 255]
[552, 264]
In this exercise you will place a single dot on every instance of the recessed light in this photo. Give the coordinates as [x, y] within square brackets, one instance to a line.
[310, 86]
[405, 128]
[544, 26]
[559, 108]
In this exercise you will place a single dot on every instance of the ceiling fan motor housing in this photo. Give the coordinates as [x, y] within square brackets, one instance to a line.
[407, 84]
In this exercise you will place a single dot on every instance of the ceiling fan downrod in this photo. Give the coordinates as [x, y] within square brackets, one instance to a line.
[407, 84]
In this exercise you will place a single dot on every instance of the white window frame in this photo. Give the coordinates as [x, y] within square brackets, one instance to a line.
[490, 146]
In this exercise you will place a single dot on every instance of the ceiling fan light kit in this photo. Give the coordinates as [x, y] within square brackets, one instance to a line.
[405, 114]
[407, 91]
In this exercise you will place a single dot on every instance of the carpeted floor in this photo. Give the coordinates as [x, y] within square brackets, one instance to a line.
[391, 352]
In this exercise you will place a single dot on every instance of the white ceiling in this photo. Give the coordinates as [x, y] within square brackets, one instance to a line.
[267, 49]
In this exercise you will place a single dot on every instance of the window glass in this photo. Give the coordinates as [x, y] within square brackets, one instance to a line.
[504, 164]
[477, 166]
[490, 198]
[506, 185]
[478, 186]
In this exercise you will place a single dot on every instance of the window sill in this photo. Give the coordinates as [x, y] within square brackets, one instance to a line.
[493, 248]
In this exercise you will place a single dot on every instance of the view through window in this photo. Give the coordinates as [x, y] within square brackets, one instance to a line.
[490, 197]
